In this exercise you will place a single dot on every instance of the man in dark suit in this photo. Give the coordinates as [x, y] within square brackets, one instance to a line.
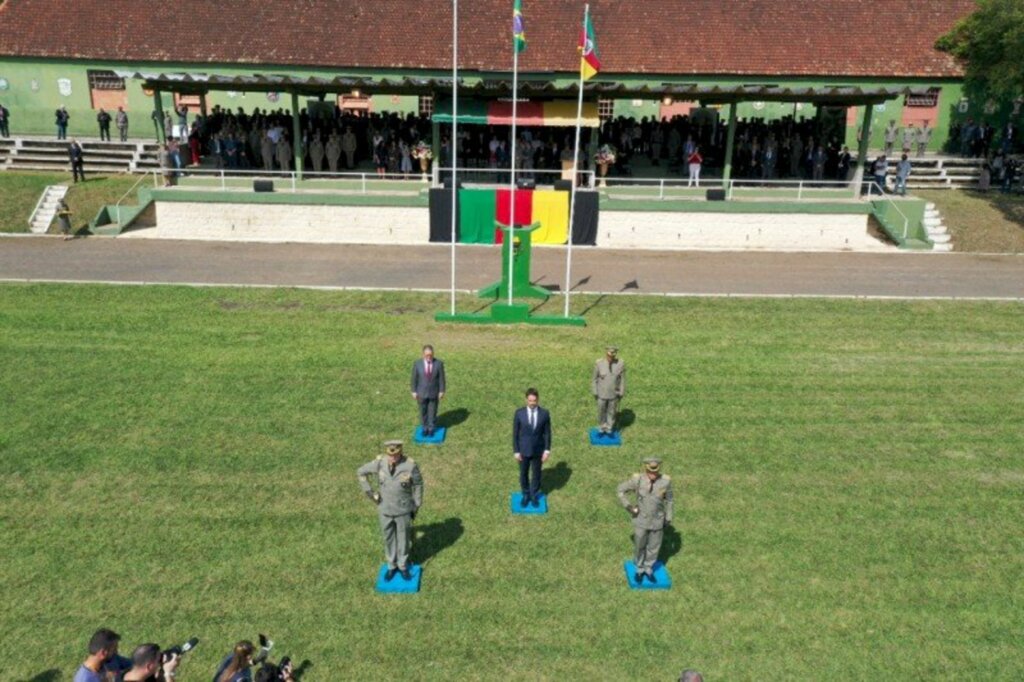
[77, 160]
[428, 385]
[531, 445]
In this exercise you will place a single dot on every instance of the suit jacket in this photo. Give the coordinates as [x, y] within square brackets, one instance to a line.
[423, 386]
[531, 442]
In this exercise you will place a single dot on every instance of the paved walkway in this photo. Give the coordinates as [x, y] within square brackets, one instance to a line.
[426, 267]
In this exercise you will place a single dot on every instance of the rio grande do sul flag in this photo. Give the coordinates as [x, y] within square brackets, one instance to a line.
[590, 64]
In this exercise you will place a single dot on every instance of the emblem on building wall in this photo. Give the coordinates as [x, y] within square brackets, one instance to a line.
[64, 86]
[34, 85]
[273, 96]
[4, 84]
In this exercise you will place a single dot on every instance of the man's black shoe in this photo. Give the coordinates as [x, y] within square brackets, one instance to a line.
[535, 502]
[524, 502]
[390, 574]
[650, 576]
[638, 578]
[405, 574]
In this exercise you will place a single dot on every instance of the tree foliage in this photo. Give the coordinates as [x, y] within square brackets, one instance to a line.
[990, 44]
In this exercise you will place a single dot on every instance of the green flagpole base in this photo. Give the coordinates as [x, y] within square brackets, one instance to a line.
[500, 291]
[517, 313]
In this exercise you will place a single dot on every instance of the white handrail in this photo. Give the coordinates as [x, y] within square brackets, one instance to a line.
[117, 206]
[881, 192]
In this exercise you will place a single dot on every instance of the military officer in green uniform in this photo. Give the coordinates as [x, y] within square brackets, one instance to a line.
[651, 512]
[398, 497]
[608, 386]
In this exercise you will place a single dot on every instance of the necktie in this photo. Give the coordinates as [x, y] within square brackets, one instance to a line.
[391, 469]
[533, 418]
[428, 369]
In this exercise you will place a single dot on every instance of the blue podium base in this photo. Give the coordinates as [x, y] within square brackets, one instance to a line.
[398, 584]
[662, 580]
[517, 507]
[436, 439]
[613, 439]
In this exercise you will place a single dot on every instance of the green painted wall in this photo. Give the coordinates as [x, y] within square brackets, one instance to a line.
[32, 95]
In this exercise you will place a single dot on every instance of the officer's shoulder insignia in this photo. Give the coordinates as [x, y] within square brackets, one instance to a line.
[668, 479]
[636, 477]
[411, 461]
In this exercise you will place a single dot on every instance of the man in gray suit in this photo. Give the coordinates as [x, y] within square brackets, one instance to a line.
[398, 497]
[427, 386]
[608, 386]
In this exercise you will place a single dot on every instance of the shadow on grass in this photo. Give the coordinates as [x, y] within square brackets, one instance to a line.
[555, 478]
[671, 544]
[433, 538]
[625, 419]
[47, 676]
[632, 284]
[301, 669]
[453, 417]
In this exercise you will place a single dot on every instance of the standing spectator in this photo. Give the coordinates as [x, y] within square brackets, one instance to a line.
[168, 125]
[284, 155]
[694, 161]
[902, 173]
[77, 160]
[316, 153]
[62, 118]
[818, 163]
[64, 218]
[890, 137]
[102, 648]
[348, 145]
[182, 112]
[1006, 144]
[380, 159]
[103, 119]
[924, 136]
[796, 152]
[267, 152]
[985, 178]
[908, 137]
[843, 165]
[404, 158]
[879, 169]
[657, 138]
[333, 151]
[5, 121]
[769, 159]
[121, 121]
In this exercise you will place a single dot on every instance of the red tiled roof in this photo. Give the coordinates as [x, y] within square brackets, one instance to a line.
[750, 37]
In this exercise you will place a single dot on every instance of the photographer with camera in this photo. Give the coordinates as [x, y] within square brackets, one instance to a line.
[149, 664]
[236, 667]
[282, 672]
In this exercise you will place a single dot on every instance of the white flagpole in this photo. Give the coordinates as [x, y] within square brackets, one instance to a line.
[512, 182]
[454, 141]
[575, 171]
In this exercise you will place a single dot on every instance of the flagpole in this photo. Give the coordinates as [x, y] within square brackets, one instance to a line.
[454, 142]
[512, 181]
[575, 171]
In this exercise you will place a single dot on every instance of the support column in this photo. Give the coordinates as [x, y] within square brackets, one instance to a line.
[862, 149]
[730, 139]
[158, 111]
[435, 139]
[300, 153]
[202, 104]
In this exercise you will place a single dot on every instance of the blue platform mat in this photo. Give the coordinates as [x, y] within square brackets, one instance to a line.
[517, 508]
[436, 439]
[398, 584]
[663, 581]
[613, 439]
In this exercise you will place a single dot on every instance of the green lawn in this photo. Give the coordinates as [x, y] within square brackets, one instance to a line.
[988, 222]
[848, 480]
[21, 191]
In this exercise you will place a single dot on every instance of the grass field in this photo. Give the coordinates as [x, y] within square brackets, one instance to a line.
[987, 222]
[848, 481]
[21, 191]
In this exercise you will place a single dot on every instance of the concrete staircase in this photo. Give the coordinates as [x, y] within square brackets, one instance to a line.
[937, 232]
[46, 209]
[37, 154]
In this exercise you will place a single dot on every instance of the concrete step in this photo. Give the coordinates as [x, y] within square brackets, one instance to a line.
[946, 247]
[940, 238]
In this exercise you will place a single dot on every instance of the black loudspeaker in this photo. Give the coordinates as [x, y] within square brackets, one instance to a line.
[526, 183]
[716, 195]
[262, 185]
[447, 184]
[563, 185]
